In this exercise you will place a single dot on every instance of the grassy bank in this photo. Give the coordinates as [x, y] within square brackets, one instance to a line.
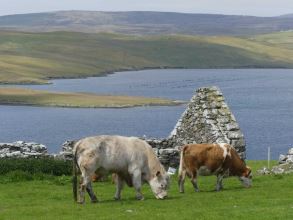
[21, 96]
[271, 197]
[38, 57]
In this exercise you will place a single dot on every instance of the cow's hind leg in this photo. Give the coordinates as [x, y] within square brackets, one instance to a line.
[194, 181]
[136, 181]
[219, 185]
[181, 181]
[119, 187]
[91, 193]
[82, 187]
[86, 185]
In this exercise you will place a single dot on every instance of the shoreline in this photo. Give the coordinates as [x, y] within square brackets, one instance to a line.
[176, 103]
[110, 72]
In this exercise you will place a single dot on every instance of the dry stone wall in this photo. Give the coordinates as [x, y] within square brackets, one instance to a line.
[285, 165]
[21, 149]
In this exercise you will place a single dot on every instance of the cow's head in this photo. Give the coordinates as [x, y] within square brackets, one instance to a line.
[246, 177]
[159, 185]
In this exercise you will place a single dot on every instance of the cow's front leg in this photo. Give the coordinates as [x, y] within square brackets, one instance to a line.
[91, 193]
[194, 181]
[219, 185]
[119, 187]
[136, 180]
[181, 181]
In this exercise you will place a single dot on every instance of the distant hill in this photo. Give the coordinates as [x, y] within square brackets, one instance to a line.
[287, 16]
[146, 23]
[38, 57]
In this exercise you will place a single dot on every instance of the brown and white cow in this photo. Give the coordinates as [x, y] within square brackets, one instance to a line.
[132, 159]
[211, 159]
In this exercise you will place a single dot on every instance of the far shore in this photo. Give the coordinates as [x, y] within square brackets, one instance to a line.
[106, 73]
[29, 97]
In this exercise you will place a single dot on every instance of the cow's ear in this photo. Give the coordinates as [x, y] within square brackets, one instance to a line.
[158, 173]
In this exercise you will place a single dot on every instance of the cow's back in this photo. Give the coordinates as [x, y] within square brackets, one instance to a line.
[115, 153]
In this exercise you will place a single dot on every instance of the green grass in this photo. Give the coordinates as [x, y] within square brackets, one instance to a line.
[21, 96]
[271, 197]
[38, 57]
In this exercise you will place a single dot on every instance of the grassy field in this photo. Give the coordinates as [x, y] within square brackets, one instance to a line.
[271, 197]
[38, 57]
[21, 96]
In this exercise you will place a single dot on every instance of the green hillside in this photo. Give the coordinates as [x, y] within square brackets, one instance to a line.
[37, 57]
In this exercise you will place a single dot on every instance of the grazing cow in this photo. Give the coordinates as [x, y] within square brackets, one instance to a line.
[211, 159]
[132, 159]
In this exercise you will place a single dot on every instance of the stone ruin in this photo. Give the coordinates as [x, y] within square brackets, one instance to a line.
[285, 165]
[207, 119]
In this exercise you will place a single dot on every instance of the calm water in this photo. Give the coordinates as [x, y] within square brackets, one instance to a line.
[261, 100]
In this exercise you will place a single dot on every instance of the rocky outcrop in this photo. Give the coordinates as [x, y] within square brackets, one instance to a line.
[21, 149]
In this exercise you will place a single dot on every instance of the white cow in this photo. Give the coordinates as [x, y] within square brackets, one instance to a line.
[131, 158]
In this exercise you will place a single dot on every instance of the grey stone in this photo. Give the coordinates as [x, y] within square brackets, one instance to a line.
[223, 120]
[14, 154]
[264, 171]
[277, 170]
[233, 126]
[238, 142]
[290, 152]
[235, 135]
[289, 158]
[282, 158]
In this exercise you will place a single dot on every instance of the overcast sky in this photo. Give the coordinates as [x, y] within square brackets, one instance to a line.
[236, 7]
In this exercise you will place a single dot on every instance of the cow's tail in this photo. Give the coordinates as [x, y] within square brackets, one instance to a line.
[182, 149]
[75, 168]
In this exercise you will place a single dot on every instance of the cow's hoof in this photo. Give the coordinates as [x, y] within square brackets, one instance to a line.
[181, 191]
[94, 201]
[80, 202]
[218, 190]
[117, 198]
[140, 197]
[197, 190]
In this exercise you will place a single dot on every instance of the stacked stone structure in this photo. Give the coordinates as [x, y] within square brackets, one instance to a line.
[207, 119]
